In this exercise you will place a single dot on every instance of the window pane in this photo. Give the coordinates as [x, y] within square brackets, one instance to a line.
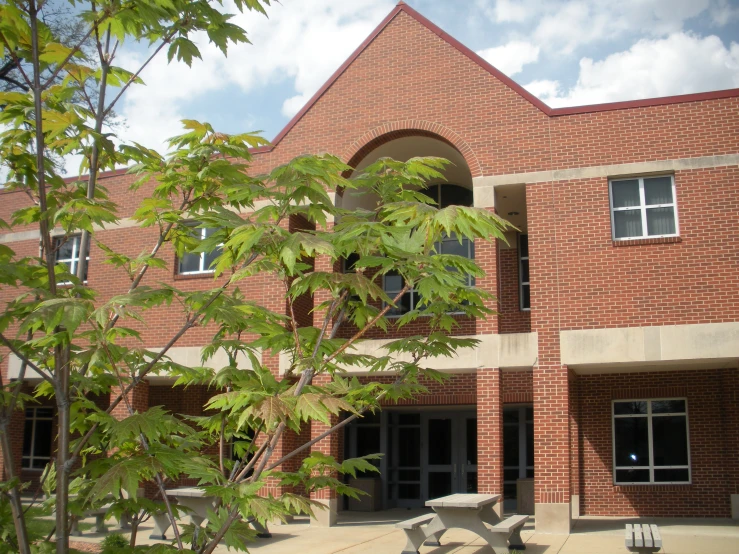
[510, 445]
[393, 282]
[210, 258]
[668, 406]
[440, 441]
[658, 190]
[44, 412]
[523, 245]
[529, 444]
[670, 436]
[189, 263]
[409, 492]
[510, 415]
[660, 221]
[471, 445]
[526, 297]
[627, 223]
[454, 195]
[671, 476]
[440, 483]
[409, 475]
[452, 246]
[368, 440]
[65, 247]
[27, 436]
[625, 193]
[632, 476]
[628, 408]
[471, 482]
[525, 271]
[632, 441]
[42, 439]
[409, 419]
[409, 447]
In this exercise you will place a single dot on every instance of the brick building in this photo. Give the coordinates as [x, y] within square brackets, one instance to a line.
[610, 374]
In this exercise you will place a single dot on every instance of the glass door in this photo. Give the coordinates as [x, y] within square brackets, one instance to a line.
[450, 453]
[518, 451]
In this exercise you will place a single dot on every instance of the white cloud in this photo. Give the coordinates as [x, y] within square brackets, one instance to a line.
[511, 57]
[679, 64]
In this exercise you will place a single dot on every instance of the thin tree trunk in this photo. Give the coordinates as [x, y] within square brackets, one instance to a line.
[16, 507]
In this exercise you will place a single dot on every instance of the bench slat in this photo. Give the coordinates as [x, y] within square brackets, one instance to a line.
[629, 536]
[416, 522]
[509, 524]
[656, 536]
[648, 543]
[638, 537]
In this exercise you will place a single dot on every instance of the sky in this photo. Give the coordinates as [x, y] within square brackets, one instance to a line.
[566, 52]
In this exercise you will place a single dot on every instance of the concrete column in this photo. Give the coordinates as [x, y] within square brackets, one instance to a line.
[490, 433]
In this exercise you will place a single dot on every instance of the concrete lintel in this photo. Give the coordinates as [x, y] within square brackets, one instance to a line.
[689, 345]
[515, 350]
[485, 198]
[555, 519]
[325, 517]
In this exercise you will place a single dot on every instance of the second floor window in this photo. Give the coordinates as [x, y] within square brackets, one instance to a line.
[37, 438]
[196, 263]
[524, 286]
[67, 252]
[643, 207]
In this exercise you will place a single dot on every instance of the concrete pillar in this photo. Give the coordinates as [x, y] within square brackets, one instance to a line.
[490, 433]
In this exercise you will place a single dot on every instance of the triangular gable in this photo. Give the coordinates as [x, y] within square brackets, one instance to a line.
[500, 76]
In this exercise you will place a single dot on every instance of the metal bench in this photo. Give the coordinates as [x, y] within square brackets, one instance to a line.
[643, 537]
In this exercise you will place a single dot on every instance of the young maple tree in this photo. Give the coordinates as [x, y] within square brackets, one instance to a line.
[80, 343]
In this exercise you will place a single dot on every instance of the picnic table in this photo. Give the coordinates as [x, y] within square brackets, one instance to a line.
[198, 502]
[474, 512]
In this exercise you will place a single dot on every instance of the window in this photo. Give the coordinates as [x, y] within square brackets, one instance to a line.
[444, 195]
[650, 441]
[37, 438]
[393, 283]
[643, 207]
[524, 287]
[198, 262]
[67, 252]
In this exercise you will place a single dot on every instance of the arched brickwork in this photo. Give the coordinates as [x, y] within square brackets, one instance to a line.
[409, 128]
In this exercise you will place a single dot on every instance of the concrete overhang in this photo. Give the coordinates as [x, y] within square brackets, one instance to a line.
[189, 356]
[694, 346]
[510, 351]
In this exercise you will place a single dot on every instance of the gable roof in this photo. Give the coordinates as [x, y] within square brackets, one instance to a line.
[552, 112]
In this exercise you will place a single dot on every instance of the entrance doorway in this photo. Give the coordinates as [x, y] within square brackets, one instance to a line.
[427, 454]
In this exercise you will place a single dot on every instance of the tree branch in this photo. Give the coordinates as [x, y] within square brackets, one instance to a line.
[24, 359]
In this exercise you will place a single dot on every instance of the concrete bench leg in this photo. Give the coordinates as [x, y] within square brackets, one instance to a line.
[74, 528]
[100, 523]
[414, 540]
[515, 541]
[125, 524]
[262, 530]
[434, 539]
[161, 524]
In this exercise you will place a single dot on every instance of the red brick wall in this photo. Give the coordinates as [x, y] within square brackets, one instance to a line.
[518, 387]
[710, 423]
[512, 318]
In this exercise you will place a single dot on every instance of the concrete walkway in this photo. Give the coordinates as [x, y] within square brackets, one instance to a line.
[374, 533]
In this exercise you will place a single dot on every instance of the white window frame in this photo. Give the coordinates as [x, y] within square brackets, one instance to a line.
[75, 259]
[202, 270]
[521, 282]
[27, 461]
[651, 467]
[643, 207]
[412, 291]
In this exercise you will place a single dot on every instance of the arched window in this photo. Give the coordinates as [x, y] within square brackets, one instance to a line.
[444, 195]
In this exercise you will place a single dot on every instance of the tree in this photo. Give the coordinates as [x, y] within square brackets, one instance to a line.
[82, 343]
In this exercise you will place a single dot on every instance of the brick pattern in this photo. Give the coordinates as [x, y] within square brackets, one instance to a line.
[490, 431]
[512, 318]
[712, 450]
[518, 387]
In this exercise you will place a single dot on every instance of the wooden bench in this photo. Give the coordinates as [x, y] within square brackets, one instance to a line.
[99, 514]
[643, 537]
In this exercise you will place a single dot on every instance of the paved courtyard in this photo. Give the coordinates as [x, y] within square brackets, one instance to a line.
[375, 533]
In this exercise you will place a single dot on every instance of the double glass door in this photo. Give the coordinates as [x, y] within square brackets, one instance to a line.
[431, 454]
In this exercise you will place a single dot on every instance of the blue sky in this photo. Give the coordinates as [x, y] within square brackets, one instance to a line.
[567, 52]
